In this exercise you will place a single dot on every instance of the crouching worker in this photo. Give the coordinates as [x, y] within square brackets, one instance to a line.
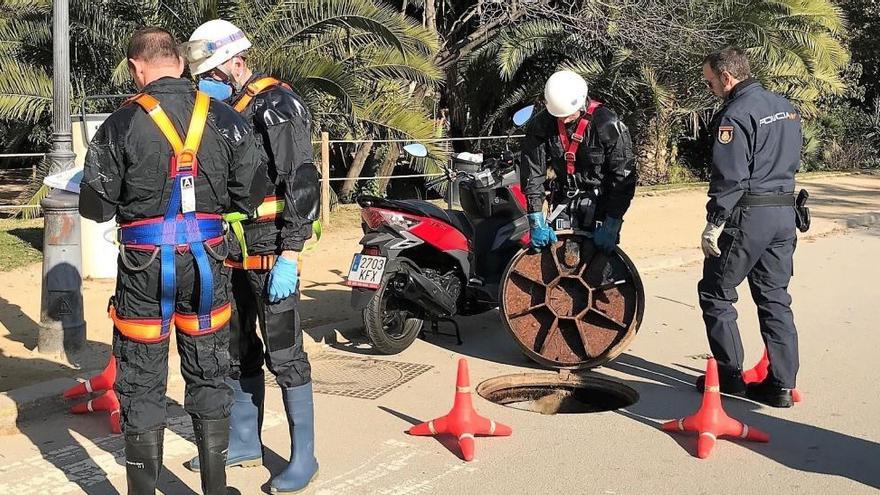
[167, 164]
[265, 278]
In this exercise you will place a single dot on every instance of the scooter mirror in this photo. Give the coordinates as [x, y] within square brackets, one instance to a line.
[523, 115]
[416, 149]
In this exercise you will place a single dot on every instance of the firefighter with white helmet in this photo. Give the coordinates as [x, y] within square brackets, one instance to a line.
[265, 277]
[590, 153]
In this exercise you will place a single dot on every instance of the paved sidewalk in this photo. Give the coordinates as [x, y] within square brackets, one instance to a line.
[829, 444]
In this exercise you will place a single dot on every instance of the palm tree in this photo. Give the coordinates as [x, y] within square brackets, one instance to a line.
[352, 60]
[648, 68]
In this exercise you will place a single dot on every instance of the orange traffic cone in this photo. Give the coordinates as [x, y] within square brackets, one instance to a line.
[760, 372]
[710, 421]
[104, 402]
[100, 382]
[462, 421]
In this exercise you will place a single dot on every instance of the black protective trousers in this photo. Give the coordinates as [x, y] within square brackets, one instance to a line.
[142, 368]
[280, 340]
[758, 243]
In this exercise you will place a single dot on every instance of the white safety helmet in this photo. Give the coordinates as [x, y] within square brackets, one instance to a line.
[565, 93]
[212, 44]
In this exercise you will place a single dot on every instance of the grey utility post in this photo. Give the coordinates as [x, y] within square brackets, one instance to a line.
[62, 327]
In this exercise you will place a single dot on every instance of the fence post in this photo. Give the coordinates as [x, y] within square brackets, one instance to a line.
[325, 179]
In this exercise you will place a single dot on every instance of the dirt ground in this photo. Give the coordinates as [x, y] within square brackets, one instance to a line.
[661, 230]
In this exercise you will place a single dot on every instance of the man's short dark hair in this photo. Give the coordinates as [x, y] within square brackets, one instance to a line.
[152, 44]
[730, 59]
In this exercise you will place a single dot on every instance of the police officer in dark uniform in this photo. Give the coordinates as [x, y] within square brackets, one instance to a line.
[265, 281]
[590, 152]
[750, 231]
[168, 190]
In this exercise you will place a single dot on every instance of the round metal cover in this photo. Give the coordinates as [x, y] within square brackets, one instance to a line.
[572, 306]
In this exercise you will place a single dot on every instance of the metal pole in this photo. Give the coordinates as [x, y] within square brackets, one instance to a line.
[62, 327]
[325, 179]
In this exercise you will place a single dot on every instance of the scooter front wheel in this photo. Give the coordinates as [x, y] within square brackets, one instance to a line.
[390, 326]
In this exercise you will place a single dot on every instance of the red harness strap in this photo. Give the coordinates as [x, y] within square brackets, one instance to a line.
[570, 146]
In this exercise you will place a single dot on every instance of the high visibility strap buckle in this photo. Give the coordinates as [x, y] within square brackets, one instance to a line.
[577, 137]
[569, 156]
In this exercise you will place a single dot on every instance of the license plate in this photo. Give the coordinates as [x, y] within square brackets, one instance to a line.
[366, 271]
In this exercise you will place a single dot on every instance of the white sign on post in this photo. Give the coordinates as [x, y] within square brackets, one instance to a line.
[99, 248]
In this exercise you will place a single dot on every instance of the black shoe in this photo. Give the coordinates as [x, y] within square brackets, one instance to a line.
[769, 394]
[730, 385]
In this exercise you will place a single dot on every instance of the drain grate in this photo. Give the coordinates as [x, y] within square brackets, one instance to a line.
[358, 377]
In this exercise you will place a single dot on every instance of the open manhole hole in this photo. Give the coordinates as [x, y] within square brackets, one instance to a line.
[557, 393]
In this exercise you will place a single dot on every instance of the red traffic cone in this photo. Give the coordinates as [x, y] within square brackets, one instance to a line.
[760, 372]
[104, 402]
[97, 383]
[711, 422]
[462, 421]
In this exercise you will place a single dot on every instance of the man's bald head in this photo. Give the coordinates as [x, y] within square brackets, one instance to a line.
[152, 54]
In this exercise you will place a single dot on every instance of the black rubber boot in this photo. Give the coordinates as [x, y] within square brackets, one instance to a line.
[212, 440]
[245, 447]
[143, 461]
[769, 394]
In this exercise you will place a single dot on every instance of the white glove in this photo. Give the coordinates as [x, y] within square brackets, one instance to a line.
[709, 241]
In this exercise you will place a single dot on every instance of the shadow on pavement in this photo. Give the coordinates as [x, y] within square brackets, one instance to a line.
[447, 440]
[670, 395]
[76, 461]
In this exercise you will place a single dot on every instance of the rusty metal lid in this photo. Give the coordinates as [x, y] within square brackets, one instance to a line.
[571, 305]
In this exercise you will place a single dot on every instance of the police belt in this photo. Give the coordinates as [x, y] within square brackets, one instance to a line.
[786, 199]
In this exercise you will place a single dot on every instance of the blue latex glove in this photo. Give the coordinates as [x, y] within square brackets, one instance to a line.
[607, 235]
[282, 279]
[541, 234]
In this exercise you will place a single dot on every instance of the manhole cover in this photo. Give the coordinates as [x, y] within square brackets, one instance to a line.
[572, 306]
[557, 394]
[362, 378]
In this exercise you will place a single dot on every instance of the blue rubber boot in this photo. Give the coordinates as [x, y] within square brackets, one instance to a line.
[245, 422]
[303, 466]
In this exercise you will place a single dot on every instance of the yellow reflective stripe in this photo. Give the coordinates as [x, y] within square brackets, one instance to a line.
[317, 229]
[154, 110]
[189, 324]
[268, 208]
[238, 230]
[253, 89]
[196, 128]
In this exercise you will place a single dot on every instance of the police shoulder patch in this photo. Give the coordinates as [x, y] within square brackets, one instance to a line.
[725, 134]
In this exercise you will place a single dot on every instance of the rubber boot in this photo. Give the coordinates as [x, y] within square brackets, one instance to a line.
[245, 423]
[303, 466]
[212, 440]
[143, 461]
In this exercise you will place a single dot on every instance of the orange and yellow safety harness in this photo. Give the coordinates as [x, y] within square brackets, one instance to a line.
[181, 228]
[271, 207]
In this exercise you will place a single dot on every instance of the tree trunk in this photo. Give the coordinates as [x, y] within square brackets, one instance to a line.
[387, 167]
[654, 156]
[357, 165]
[431, 16]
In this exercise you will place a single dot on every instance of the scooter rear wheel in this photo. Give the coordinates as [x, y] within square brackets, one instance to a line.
[389, 325]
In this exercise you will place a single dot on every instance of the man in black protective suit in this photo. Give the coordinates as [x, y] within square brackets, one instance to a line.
[168, 190]
[591, 155]
[265, 281]
[751, 220]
